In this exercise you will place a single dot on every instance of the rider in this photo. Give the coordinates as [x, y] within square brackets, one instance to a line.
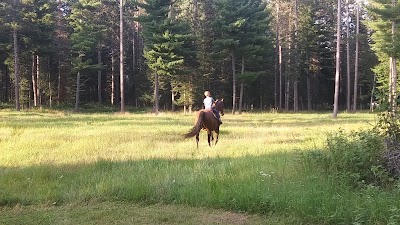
[208, 104]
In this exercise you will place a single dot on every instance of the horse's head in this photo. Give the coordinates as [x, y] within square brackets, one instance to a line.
[219, 105]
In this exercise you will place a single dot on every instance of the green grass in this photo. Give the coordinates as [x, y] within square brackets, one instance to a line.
[52, 160]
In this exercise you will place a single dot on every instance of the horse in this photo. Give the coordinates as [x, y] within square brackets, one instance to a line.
[206, 120]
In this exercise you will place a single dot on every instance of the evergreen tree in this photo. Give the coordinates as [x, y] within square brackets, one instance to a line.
[255, 46]
[165, 41]
[386, 37]
[86, 35]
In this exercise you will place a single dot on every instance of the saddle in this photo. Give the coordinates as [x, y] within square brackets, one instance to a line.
[214, 115]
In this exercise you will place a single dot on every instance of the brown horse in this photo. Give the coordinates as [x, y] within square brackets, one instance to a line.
[206, 120]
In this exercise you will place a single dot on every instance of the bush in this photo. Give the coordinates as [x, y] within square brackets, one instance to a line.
[356, 158]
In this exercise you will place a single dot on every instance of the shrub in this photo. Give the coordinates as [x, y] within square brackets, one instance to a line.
[356, 158]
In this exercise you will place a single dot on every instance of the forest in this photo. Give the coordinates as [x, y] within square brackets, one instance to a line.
[289, 55]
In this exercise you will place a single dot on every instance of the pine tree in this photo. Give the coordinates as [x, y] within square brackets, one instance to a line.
[255, 46]
[84, 38]
[165, 41]
[386, 37]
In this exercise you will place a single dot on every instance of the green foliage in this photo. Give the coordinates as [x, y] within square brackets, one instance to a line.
[87, 33]
[356, 158]
[165, 38]
[388, 126]
[384, 14]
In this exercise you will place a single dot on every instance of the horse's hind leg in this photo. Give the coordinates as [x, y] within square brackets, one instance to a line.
[197, 140]
[209, 136]
[216, 138]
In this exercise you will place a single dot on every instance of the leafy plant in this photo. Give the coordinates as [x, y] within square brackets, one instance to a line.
[356, 158]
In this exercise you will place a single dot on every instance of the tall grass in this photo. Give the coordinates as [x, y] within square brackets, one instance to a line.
[57, 158]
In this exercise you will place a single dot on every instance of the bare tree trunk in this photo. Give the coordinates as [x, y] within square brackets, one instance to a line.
[309, 107]
[295, 96]
[59, 81]
[99, 97]
[287, 93]
[288, 73]
[277, 58]
[134, 57]
[172, 98]
[241, 89]
[233, 83]
[16, 65]
[280, 77]
[393, 74]
[372, 100]
[337, 73]
[77, 93]
[348, 92]
[49, 85]
[121, 55]
[78, 84]
[296, 77]
[112, 73]
[356, 59]
[190, 97]
[393, 86]
[156, 93]
[38, 82]
[34, 83]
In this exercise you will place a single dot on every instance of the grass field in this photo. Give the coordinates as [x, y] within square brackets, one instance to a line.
[68, 168]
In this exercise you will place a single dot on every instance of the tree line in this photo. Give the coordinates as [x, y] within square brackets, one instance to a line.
[256, 54]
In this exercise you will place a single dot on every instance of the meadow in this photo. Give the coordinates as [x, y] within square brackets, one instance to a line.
[58, 167]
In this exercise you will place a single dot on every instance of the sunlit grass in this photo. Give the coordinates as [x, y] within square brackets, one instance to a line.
[58, 158]
[62, 138]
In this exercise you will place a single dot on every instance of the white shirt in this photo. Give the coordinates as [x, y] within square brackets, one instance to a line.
[208, 102]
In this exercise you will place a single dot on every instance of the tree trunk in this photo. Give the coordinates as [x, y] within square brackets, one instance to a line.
[134, 58]
[112, 74]
[99, 97]
[49, 86]
[233, 83]
[289, 66]
[6, 82]
[356, 59]
[78, 85]
[172, 98]
[195, 14]
[295, 96]
[121, 56]
[38, 90]
[241, 89]
[277, 58]
[34, 82]
[372, 100]
[59, 81]
[393, 74]
[393, 86]
[337, 73]
[156, 94]
[309, 107]
[348, 92]
[16, 65]
[296, 76]
[287, 93]
[280, 77]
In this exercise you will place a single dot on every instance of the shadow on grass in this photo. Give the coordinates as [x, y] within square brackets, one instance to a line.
[275, 183]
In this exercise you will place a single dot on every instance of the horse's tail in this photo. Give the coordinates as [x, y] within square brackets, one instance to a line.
[197, 127]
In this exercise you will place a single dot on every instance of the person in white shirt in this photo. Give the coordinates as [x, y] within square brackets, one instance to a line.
[208, 104]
